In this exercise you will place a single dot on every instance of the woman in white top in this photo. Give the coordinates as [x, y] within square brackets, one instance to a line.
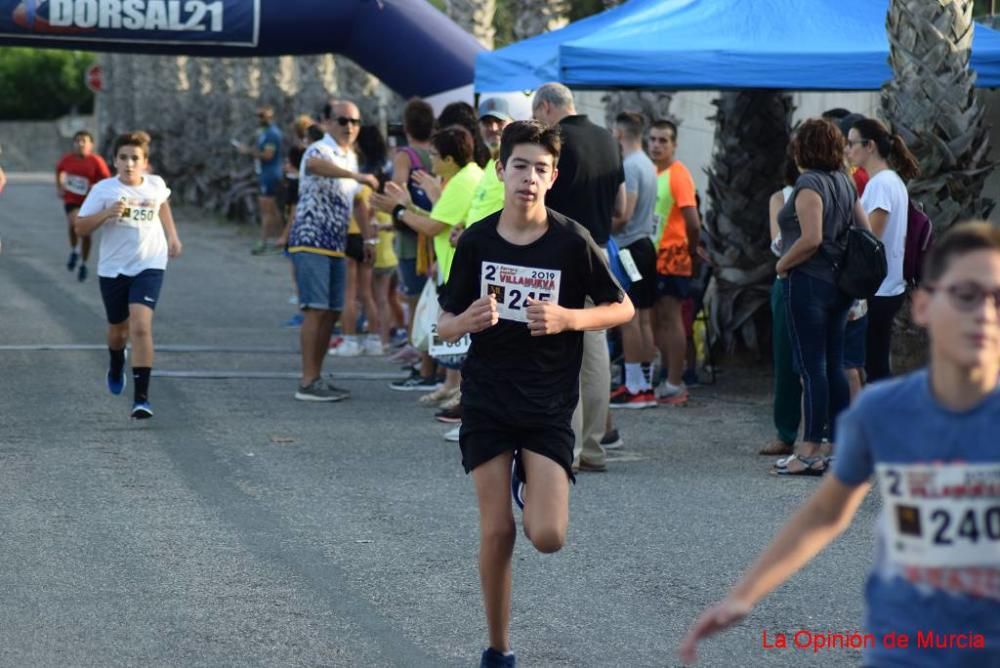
[889, 164]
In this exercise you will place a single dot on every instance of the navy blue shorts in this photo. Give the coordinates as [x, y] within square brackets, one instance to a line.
[412, 282]
[120, 291]
[268, 184]
[678, 287]
[855, 334]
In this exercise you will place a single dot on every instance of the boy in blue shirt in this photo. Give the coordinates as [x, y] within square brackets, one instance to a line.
[932, 439]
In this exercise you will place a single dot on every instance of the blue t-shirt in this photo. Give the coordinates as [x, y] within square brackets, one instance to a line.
[937, 565]
[269, 136]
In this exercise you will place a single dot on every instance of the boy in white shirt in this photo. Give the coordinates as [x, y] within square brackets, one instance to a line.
[138, 234]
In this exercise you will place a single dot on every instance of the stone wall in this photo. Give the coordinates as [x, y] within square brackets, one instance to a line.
[36, 146]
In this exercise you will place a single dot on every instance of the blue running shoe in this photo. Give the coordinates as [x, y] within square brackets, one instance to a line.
[74, 257]
[294, 321]
[516, 486]
[141, 410]
[117, 385]
[494, 659]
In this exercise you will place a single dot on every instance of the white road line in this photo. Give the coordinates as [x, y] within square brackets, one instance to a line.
[168, 348]
[268, 375]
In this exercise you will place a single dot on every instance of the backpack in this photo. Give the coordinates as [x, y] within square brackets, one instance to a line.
[863, 265]
[418, 196]
[919, 239]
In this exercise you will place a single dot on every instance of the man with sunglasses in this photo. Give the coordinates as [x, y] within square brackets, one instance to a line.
[328, 187]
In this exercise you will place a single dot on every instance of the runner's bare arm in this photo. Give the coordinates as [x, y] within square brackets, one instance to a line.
[550, 318]
[481, 314]
[821, 519]
[87, 224]
[809, 209]
[401, 168]
[60, 179]
[174, 246]
[622, 217]
[692, 225]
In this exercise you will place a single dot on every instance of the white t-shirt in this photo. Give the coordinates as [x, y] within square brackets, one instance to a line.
[135, 242]
[887, 191]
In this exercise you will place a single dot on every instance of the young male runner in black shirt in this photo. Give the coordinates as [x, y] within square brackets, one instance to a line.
[518, 284]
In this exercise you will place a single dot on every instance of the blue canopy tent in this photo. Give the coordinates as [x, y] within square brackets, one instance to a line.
[413, 48]
[707, 44]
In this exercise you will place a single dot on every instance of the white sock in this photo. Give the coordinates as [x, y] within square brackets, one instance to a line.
[634, 380]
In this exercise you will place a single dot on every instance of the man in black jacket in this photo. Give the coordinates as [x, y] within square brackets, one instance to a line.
[590, 188]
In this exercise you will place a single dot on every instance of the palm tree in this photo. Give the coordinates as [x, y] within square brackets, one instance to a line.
[653, 105]
[752, 133]
[932, 103]
[533, 17]
[475, 17]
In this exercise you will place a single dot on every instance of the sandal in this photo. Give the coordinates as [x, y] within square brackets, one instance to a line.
[776, 447]
[810, 466]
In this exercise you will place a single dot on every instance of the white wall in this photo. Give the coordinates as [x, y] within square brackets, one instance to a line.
[696, 132]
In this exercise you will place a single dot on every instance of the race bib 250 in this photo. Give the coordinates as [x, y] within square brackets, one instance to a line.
[513, 286]
[138, 212]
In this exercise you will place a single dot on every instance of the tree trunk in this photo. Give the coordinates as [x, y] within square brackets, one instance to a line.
[747, 167]
[932, 103]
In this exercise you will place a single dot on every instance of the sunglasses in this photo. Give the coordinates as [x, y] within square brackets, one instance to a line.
[344, 121]
[968, 296]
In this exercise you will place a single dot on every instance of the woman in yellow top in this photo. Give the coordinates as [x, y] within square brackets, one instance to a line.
[451, 159]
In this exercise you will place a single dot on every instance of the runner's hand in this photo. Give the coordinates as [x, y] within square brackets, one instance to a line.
[547, 318]
[482, 314]
[174, 247]
[369, 180]
[115, 210]
[717, 618]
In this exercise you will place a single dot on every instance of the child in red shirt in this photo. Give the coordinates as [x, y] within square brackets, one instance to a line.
[76, 174]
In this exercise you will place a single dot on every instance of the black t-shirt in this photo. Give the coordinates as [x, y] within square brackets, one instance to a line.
[510, 377]
[590, 171]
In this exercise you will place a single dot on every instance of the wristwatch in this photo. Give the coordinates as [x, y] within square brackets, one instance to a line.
[397, 212]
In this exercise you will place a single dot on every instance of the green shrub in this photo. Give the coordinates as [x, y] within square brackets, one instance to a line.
[42, 84]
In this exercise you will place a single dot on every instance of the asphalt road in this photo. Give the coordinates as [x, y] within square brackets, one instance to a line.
[242, 528]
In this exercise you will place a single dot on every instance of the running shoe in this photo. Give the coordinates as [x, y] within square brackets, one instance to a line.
[294, 321]
[141, 410]
[517, 483]
[405, 355]
[372, 345]
[399, 337]
[319, 390]
[625, 399]
[494, 659]
[81, 273]
[117, 385]
[74, 257]
[449, 415]
[348, 348]
[691, 379]
[612, 440]
[452, 435]
[671, 395]
[415, 383]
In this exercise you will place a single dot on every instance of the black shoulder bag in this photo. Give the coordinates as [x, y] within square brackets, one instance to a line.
[863, 265]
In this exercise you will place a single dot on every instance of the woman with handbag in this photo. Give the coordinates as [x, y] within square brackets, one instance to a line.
[821, 208]
[889, 164]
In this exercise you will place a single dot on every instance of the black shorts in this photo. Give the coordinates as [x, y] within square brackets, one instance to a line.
[355, 248]
[70, 208]
[120, 291]
[291, 191]
[643, 293]
[482, 438]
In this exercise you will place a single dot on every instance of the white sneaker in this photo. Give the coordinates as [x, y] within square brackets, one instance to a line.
[452, 435]
[349, 347]
[372, 345]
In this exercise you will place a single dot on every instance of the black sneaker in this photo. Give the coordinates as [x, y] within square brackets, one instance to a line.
[319, 390]
[612, 440]
[71, 262]
[449, 415]
[494, 659]
[415, 383]
[81, 274]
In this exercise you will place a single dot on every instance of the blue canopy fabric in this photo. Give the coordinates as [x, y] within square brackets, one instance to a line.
[710, 44]
[411, 46]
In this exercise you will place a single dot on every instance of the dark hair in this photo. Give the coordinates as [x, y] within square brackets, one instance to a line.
[630, 123]
[791, 171]
[418, 119]
[664, 124]
[530, 132]
[462, 113]
[455, 142]
[835, 114]
[373, 149]
[890, 147]
[137, 138]
[314, 132]
[83, 133]
[818, 144]
[960, 239]
[329, 106]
